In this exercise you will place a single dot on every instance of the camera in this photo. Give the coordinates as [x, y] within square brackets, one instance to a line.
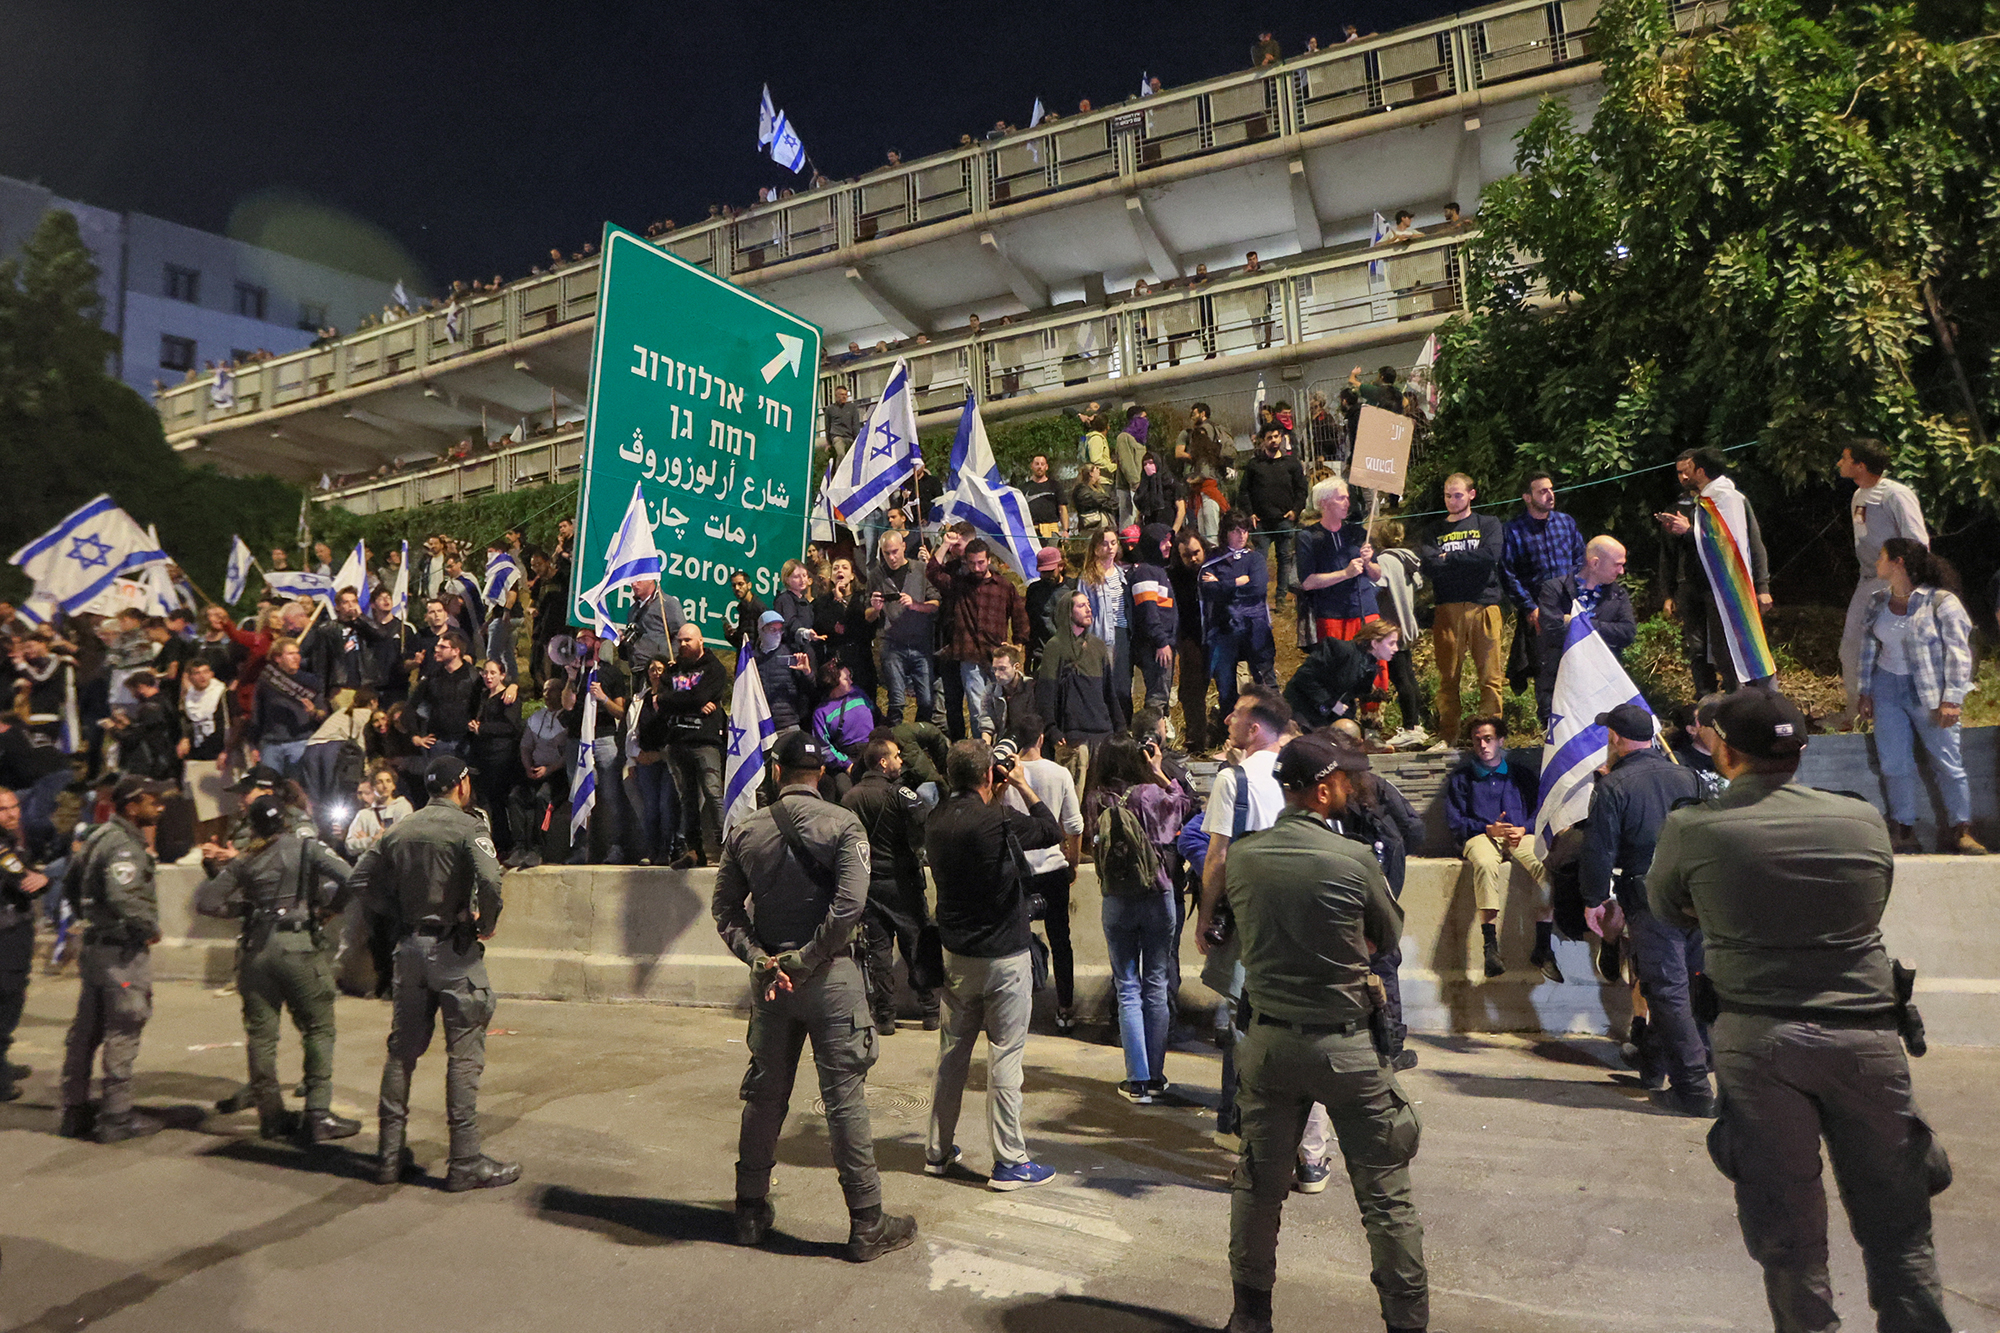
[1004, 755]
[1151, 746]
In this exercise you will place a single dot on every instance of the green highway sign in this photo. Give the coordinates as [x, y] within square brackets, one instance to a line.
[703, 395]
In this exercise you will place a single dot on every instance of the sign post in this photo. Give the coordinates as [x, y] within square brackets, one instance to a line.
[704, 395]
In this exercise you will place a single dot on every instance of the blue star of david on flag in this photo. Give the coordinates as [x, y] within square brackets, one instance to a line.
[76, 560]
[89, 551]
[749, 716]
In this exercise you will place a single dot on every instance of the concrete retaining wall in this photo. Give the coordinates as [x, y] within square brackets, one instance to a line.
[632, 934]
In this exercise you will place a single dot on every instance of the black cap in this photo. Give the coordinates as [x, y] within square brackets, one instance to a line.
[267, 816]
[261, 776]
[800, 749]
[1762, 724]
[130, 788]
[1631, 721]
[1306, 760]
[444, 773]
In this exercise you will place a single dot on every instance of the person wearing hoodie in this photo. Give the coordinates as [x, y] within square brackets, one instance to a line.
[1128, 458]
[1155, 621]
[1160, 498]
[1073, 687]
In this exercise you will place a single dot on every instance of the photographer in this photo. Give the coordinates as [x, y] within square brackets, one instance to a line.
[1054, 867]
[971, 843]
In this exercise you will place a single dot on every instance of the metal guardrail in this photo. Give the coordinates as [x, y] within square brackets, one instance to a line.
[1502, 42]
[1287, 305]
[552, 458]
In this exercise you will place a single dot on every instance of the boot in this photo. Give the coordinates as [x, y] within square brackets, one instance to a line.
[78, 1121]
[1252, 1313]
[1494, 967]
[873, 1233]
[754, 1219]
[481, 1173]
[1608, 962]
[325, 1127]
[1961, 842]
[132, 1125]
[274, 1121]
[1404, 1058]
[240, 1100]
[1903, 840]
[394, 1167]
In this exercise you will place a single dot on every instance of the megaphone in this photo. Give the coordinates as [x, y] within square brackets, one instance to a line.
[562, 651]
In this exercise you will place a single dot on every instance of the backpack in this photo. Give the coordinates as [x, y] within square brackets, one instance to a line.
[1128, 865]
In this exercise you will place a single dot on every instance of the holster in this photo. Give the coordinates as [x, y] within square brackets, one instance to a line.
[1909, 1022]
[1381, 1032]
[1702, 999]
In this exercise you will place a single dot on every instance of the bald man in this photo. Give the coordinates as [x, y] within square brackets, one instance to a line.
[1603, 598]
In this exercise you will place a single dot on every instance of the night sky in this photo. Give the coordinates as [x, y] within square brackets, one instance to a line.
[472, 138]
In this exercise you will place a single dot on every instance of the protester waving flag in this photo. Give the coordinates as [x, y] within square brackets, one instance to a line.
[353, 573]
[585, 795]
[1589, 683]
[786, 149]
[222, 390]
[884, 455]
[631, 556]
[289, 584]
[399, 594]
[503, 571]
[982, 497]
[236, 577]
[80, 557]
[750, 733]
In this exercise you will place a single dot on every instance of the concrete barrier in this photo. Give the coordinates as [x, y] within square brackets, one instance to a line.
[614, 934]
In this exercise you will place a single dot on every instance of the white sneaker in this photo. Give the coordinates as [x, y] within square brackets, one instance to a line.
[1409, 738]
[1441, 747]
[192, 857]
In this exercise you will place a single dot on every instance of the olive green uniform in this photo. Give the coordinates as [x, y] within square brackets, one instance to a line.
[436, 879]
[767, 904]
[1788, 886]
[1307, 903]
[111, 886]
[280, 890]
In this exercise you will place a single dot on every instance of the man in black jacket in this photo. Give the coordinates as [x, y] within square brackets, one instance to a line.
[445, 700]
[1073, 688]
[989, 978]
[1274, 490]
[1602, 598]
[695, 707]
[1155, 623]
[895, 915]
[1461, 558]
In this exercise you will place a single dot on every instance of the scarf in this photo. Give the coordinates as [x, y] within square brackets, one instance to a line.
[201, 709]
[1137, 428]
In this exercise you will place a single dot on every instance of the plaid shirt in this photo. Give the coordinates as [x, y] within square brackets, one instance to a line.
[1536, 551]
[1939, 646]
[979, 612]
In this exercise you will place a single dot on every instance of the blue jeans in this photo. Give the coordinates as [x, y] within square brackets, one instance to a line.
[38, 803]
[283, 756]
[607, 814]
[914, 666]
[1901, 722]
[1665, 956]
[980, 695]
[659, 814]
[1284, 533]
[1139, 932]
[1227, 647]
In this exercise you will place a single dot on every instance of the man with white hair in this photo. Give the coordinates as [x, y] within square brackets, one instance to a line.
[1597, 591]
[1337, 567]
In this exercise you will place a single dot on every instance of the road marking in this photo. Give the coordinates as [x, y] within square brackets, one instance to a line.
[1010, 1247]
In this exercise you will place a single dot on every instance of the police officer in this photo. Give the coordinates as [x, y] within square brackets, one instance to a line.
[21, 885]
[279, 885]
[1788, 885]
[1627, 809]
[1310, 906]
[893, 816]
[110, 885]
[788, 896]
[436, 878]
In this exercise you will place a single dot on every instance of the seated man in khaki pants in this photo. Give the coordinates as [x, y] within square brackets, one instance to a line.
[1489, 802]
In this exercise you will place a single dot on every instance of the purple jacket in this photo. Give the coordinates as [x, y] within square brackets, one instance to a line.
[844, 724]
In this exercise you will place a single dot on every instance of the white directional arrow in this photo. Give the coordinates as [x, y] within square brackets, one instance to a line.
[788, 355]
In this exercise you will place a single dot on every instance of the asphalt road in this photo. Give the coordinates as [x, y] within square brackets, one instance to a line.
[1553, 1198]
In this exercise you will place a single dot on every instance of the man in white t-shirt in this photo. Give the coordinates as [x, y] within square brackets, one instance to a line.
[1881, 509]
[1256, 729]
[1054, 867]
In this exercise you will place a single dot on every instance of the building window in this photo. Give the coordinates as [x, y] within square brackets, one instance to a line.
[312, 316]
[250, 300]
[176, 353]
[184, 284]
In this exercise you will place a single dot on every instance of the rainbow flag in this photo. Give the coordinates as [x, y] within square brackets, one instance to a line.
[1719, 537]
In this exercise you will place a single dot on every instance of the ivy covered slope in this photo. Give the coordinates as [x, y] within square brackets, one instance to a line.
[69, 431]
[1778, 229]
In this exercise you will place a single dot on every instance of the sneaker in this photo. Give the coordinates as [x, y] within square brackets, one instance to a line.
[1960, 842]
[1019, 1175]
[1139, 1094]
[885, 1025]
[192, 857]
[529, 860]
[685, 861]
[1065, 1021]
[1409, 738]
[1692, 1103]
[1310, 1178]
[1545, 959]
[943, 1168]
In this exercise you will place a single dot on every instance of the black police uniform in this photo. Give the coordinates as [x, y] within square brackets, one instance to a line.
[17, 949]
[895, 914]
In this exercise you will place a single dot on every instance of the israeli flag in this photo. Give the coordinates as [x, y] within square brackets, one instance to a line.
[452, 315]
[786, 150]
[1589, 681]
[750, 735]
[353, 573]
[1376, 268]
[399, 595]
[631, 556]
[222, 390]
[1145, 85]
[502, 573]
[297, 583]
[1036, 118]
[402, 297]
[982, 497]
[39, 609]
[767, 119]
[819, 523]
[584, 796]
[883, 457]
[159, 594]
[236, 576]
[80, 557]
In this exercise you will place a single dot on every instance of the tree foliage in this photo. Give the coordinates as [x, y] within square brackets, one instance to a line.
[69, 431]
[1760, 236]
